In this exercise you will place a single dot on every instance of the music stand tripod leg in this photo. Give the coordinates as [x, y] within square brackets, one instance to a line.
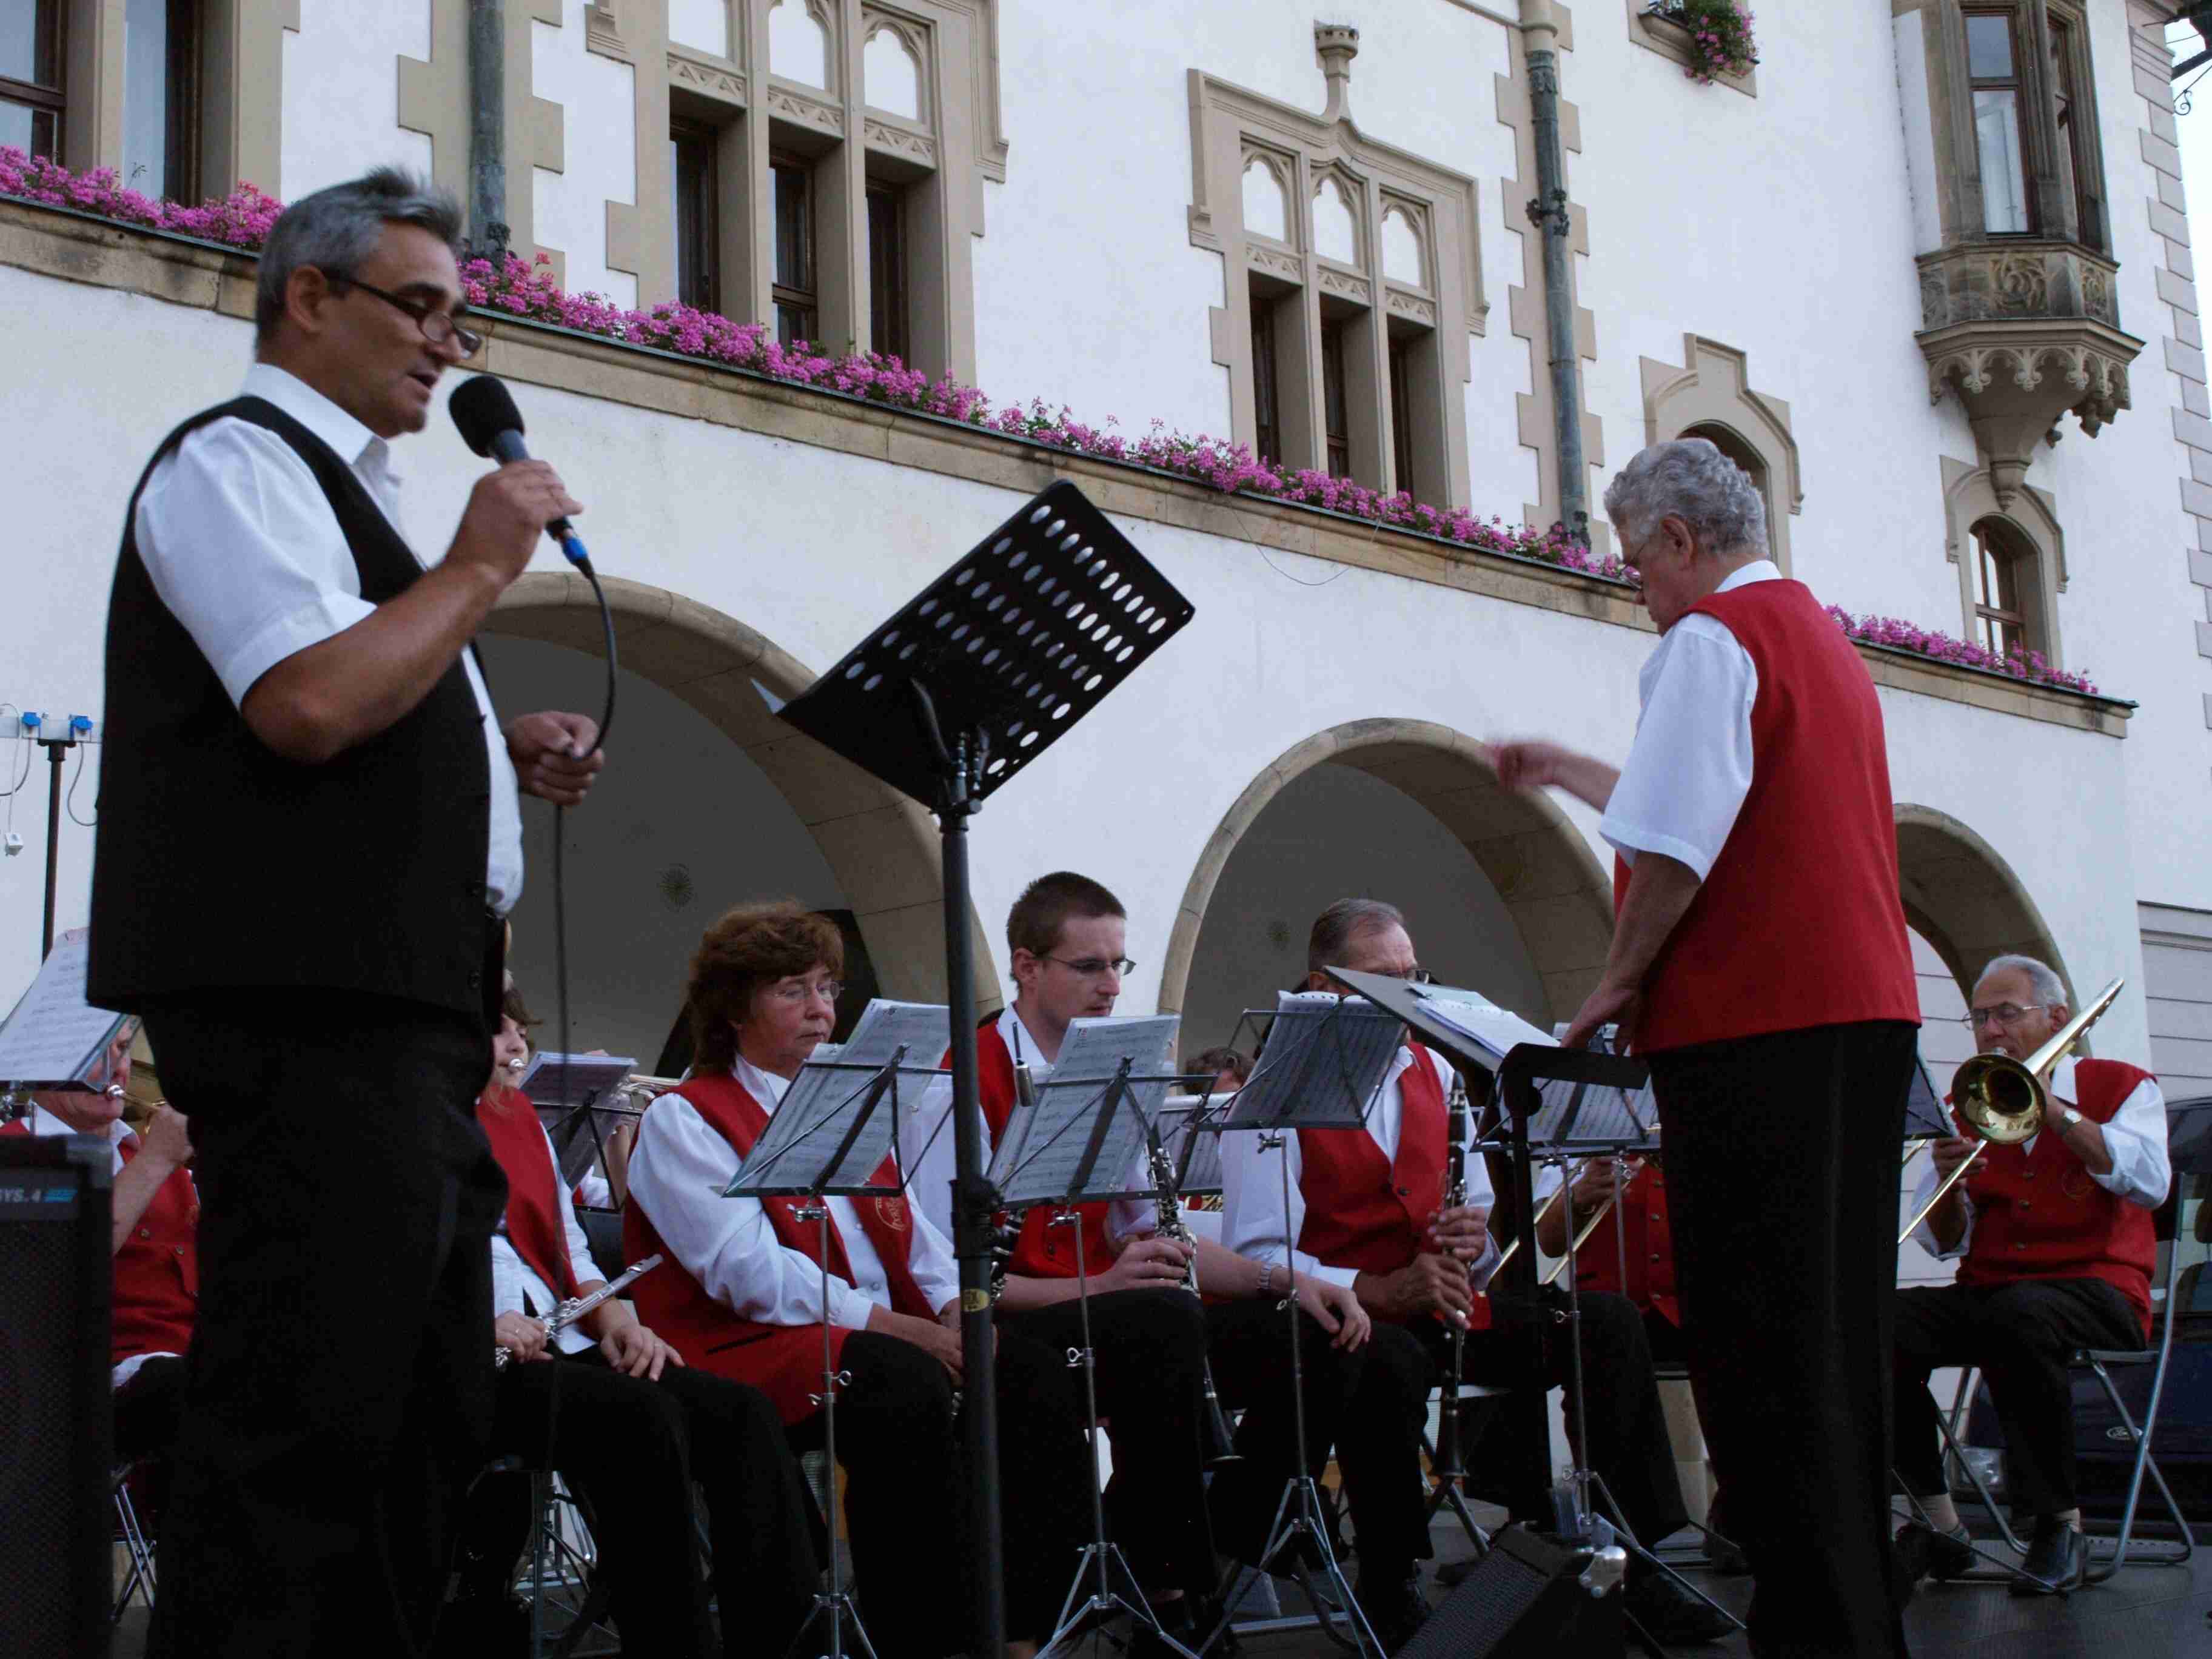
[833, 1607]
[1100, 1555]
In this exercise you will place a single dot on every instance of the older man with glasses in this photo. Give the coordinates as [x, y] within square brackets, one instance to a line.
[309, 833]
[2054, 1248]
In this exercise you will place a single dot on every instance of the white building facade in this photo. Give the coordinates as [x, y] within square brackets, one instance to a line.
[1924, 271]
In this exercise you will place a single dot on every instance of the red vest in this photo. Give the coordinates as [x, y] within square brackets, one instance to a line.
[1643, 1210]
[1362, 1212]
[1044, 1250]
[783, 1361]
[534, 1224]
[1799, 922]
[2039, 1215]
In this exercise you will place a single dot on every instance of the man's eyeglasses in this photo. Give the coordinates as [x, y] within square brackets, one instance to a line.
[438, 327]
[1096, 967]
[828, 989]
[1412, 975]
[2005, 1013]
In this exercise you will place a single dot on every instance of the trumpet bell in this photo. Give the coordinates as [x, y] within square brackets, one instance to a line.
[2000, 1098]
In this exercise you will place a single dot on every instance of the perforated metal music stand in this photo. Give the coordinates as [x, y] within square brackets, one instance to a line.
[970, 682]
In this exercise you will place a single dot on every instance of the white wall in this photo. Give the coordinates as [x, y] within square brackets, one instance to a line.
[341, 93]
[598, 153]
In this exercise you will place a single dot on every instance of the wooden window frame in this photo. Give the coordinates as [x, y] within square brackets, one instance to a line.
[1401, 411]
[39, 96]
[790, 296]
[1267, 401]
[2003, 627]
[186, 74]
[1335, 401]
[890, 315]
[699, 267]
[2024, 116]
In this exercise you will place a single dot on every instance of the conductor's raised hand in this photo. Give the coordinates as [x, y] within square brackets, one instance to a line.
[1462, 1231]
[1151, 1263]
[555, 756]
[1526, 762]
[507, 513]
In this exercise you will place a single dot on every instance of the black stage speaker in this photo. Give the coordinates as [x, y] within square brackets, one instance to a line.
[1523, 1600]
[56, 1285]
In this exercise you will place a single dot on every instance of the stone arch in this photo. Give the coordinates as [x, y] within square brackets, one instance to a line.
[883, 847]
[1559, 896]
[1963, 898]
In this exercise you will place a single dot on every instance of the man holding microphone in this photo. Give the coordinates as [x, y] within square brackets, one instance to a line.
[309, 835]
[1759, 962]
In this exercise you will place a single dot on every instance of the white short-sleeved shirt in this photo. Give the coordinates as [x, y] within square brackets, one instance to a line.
[243, 548]
[1690, 768]
[2135, 1140]
[517, 1288]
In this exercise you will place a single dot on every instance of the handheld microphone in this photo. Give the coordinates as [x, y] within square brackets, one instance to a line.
[491, 425]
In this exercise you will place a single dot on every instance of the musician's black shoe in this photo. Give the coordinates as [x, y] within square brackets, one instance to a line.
[2057, 1560]
[1920, 1552]
[1670, 1615]
[1395, 1606]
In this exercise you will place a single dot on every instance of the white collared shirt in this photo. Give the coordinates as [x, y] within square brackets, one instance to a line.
[678, 1171]
[1689, 768]
[516, 1289]
[2135, 1140]
[1252, 1220]
[43, 1122]
[243, 548]
[925, 1150]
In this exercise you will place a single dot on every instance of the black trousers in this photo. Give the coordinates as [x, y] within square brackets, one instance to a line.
[906, 1492]
[1370, 1414]
[2020, 1335]
[1782, 1185]
[633, 1448]
[147, 1411]
[1151, 1364]
[338, 1390]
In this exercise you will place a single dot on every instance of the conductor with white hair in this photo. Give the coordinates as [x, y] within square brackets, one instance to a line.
[1759, 962]
[2055, 1244]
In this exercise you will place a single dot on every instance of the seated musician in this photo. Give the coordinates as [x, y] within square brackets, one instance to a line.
[153, 1237]
[742, 1295]
[1367, 1213]
[1227, 1068]
[2054, 1241]
[1065, 935]
[616, 1410]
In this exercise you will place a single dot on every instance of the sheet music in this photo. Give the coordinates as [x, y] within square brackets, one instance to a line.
[54, 1038]
[1498, 1031]
[587, 1076]
[1041, 1153]
[1925, 1118]
[1586, 1114]
[1323, 1062]
[1190, 1133]
[794, 1152]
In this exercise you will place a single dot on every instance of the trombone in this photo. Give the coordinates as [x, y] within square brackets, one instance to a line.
[2003, 1099]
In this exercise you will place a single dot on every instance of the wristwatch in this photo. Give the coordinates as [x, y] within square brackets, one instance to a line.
[2068, 1118]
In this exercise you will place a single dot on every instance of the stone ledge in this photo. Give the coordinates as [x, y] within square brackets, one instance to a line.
[1658, 33]
[81, 247]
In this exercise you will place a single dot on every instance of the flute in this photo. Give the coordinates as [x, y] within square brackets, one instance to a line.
[577, 1306]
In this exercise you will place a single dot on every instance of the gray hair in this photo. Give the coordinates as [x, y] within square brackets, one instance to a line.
[336, 229]
[1689, 479]
[2047, 988]
[1343, 922]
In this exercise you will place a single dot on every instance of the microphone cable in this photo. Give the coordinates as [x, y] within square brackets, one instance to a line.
[573, 545]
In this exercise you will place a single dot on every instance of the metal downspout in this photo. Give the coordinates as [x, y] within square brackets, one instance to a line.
[1548, 213]
[487, 229]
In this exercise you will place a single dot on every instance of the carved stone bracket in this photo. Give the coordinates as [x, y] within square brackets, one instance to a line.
[804, 107]
[2016, 379]
[892, 138]
[710, 80]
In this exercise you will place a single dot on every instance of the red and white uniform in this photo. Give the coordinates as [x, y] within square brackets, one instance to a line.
[1360, 1199]
[539, 1254]
[157, 1271]
[1759, 763]
[2034, 1211]
[742, 1294]
[1650, 1244]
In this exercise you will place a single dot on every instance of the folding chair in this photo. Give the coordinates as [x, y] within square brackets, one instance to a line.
[2188, 1145]
[138, 1550]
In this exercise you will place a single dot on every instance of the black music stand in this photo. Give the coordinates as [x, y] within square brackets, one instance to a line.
[1078, 1145]
[1323, 1063]
[972, 680]
[831, 1151]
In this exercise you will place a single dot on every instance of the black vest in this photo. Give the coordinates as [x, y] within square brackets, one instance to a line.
[219, 864]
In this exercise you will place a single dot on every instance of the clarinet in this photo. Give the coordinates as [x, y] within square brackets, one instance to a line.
[1448, 1451]
[1221, 1444]
[1006, 1227]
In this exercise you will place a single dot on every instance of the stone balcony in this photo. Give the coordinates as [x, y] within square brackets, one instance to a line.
[2024, 331]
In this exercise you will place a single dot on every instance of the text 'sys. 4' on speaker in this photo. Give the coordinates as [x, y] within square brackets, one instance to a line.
[56, 1282]
[1525, 1600]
